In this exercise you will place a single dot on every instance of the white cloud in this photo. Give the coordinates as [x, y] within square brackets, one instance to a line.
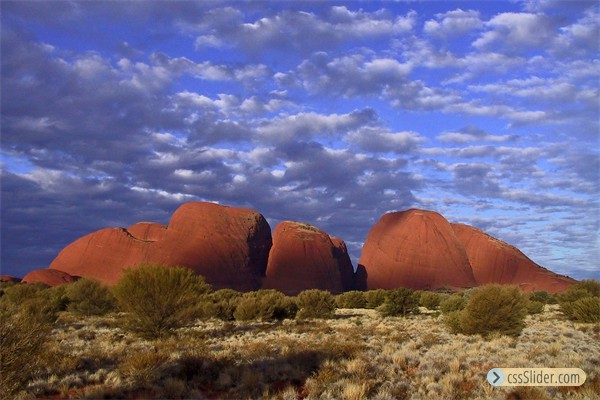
[453, 23]
[511, 31]
[379, 140]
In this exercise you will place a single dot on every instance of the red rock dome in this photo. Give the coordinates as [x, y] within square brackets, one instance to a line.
[305, 257]
[415, 249]
[228, 246]
[50, 277]
[494, 261]
[8, 278]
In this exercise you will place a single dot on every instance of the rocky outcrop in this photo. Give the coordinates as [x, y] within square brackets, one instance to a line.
[415, 249]
[8, 278]
[50, 277]
[305, 257]
[494, 261]
[228, 246]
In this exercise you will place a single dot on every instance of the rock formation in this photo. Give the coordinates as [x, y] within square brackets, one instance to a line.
[305, 257]
[228, 246]
[8, 278]
[416, 249]
[494, 261]
[50, 277]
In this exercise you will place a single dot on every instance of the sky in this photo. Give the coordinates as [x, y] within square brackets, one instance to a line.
[330, 113]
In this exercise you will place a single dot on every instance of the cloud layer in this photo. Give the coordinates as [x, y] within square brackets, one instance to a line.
[114, 113]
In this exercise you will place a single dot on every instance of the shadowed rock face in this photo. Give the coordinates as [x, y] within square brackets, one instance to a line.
[50, 277]
[305, 257]
[415, 249]
[228, 246]
[494, 261]
[8, 278]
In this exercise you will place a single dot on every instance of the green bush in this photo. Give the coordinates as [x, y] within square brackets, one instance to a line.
[585, 289]
[455, 302]
[88, 297]
[430, 300]
[22, 339]
[491, 309]
[36, 301]
[535, 307]
[586, 309]
[399, 302]
[375, 298]
[315, 303]
[266, 305]
[543, 297]
[351, 299]
[157, 299]
[220, 304]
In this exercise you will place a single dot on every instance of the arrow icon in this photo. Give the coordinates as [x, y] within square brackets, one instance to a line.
[495, 376]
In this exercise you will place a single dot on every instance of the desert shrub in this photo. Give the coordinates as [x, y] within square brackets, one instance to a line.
[490, 309]
[315, 303]
[375, 298]
[399, 302]
[543, 297]
[584, 289]
[455, 302]
[36, 301]
[586, 309]
[88, 297]
[430, 300]
[22, 339]
[351, 299]
[266, 305]
[220, 304]
[535, 307]
[157, 300]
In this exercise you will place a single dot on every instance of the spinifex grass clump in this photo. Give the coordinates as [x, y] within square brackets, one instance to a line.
[315, 303]
[158, 300]
[581, 302]
[491, 309]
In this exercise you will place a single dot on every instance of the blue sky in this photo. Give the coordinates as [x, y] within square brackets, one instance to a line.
[331, 113]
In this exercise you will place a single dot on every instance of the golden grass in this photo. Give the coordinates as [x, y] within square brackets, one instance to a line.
[356, 355]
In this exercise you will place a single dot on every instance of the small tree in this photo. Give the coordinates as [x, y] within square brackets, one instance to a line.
[399, 302]
[266, 305]
[315, 303]
[455, 302]
[159, 299]
[88, 297]
[491, 308]
[582, 290]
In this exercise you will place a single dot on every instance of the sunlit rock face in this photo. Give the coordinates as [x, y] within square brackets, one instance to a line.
[494, 261]
[50, 277]
[228, 246]
[415, 249]
[305, 257]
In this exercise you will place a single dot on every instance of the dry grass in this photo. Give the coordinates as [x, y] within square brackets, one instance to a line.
[356, 355]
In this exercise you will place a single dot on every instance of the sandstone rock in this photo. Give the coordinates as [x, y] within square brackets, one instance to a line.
[148, 231]
[8, 278]
[228, 246]
[360, 278]
[305, 257]
[50, 277]
[494, 261]
[415, 249]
